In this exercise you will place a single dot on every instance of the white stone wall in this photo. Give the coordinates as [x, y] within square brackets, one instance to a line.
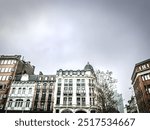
[88, 75]
[22, 96]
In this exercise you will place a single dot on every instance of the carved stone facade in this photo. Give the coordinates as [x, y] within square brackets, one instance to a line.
[43, 99]
[76, 91]
[31, 93]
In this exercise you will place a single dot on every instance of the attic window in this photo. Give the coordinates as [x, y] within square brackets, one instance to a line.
[143, 66]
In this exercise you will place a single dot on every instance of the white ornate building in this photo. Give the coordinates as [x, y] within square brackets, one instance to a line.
[31, 93]
[76, 91]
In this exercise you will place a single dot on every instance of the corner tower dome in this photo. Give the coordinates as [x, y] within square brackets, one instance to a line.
[88, 67]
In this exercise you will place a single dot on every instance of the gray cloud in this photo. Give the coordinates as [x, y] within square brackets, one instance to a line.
[65, 34]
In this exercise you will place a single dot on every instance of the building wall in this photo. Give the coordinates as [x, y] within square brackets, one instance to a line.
[75, 92]
[20, 96]
[141, 85]
[44, 94]
[31, 93]
[10, 66]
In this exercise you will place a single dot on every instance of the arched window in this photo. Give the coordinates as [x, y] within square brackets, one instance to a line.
[19, 103]
[59, 80]
[10, 103]
[28, 103]
[30, 90]
[44, 85]
[13, 91]
[19, 91]
[24, 90]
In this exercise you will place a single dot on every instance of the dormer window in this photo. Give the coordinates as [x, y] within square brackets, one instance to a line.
[25, 77]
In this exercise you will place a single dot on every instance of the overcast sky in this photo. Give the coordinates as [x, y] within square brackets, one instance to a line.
[66, 34]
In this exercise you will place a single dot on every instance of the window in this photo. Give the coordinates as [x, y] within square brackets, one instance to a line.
[19, 103]
[59, 91]
[70, 101]
[146, 77]
[13, 91]
[78, 84]
[74, 72]
[83, 101]
[57, 111]
[14, 62]
[92, 101]
[1, 86]
[19, 91]
[59, 80]
[24, 90]
[44, 86]
[143, 78]
[143, 66]
[42, 105]
[46, 78]
[66, 80]
[59, 84]
[78, 73]
[5, 62]
[71, 73]
[147, 89]
[70, 90]
[10, 103]
[65, 100]
[83, 80]
[9, 61]
[148, 65]
[83, 73]
[65, 89]
[65, 84]
[3, 78]
[83, 87]
[40, 78]
[58, 101]
[30, 90]
[7, 77]
[28, 103]
[70, 84]
[78, 80]
[52, 78]
[78, 101]
[83, 84]
[3, 69]
[2, 62]
[70, 80]
[9, 70]
[6, 69]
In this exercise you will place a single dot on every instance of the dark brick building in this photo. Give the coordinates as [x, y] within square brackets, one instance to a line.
[141, 84]
[10, 66]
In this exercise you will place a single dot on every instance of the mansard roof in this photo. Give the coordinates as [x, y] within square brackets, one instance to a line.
[36, 77]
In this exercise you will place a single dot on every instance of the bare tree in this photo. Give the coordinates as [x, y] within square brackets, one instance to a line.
[107, 84]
